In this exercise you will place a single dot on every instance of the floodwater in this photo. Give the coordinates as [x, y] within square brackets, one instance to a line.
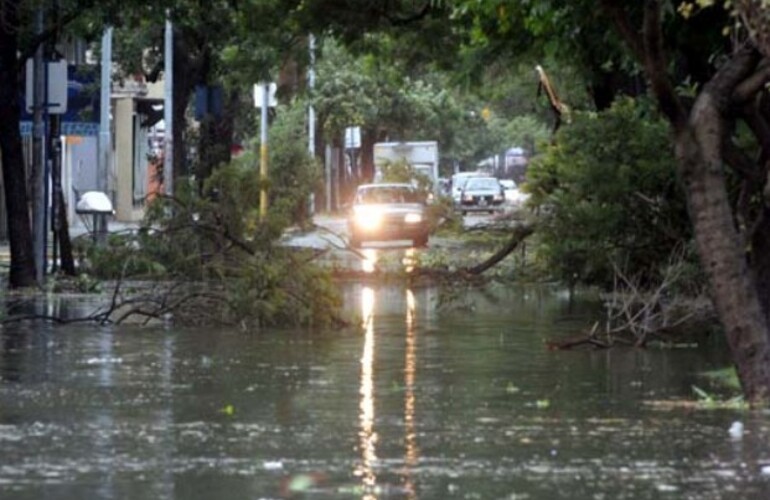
[419, 403]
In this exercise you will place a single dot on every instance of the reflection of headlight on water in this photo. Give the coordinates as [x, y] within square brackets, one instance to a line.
[412, 218]
[368, 217]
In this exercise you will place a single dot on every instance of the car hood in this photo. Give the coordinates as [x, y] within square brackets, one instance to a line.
[390, 208]
[482, 191]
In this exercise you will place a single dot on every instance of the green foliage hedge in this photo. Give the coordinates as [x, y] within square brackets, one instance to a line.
[608, 194]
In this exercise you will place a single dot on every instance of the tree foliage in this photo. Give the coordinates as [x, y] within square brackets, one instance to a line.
[609, 196]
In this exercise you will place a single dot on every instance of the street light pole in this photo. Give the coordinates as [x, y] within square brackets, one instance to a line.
[168, 108]
[105, 135]
[311, 116]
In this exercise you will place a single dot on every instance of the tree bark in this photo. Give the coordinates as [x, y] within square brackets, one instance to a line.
[760, 263]
[699, 137]
[22, 271]
[216, 138]
[735, 296]
[185, 79]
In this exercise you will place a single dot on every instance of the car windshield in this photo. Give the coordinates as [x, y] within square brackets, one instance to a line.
[459, 180]
[388, 194]
[482, 183]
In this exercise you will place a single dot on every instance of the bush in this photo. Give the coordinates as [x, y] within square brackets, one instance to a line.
[210, 239]
[608, 194]
[294, 173]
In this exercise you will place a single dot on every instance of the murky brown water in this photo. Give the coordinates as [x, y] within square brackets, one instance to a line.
[419, 403]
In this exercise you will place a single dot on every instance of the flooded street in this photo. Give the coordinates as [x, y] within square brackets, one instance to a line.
[421, 403]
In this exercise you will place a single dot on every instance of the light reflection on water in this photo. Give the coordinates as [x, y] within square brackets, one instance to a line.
[367, 434]
[417, 403]
[369, 263]
[372, 257]
[412, 454]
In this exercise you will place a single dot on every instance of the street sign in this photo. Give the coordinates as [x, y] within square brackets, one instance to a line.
[56, 98]
[271, 100]
[352, 137]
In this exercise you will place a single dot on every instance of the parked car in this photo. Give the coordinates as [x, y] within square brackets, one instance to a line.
[387, 212]
[458, 181]
[482, 193]
[513, 195]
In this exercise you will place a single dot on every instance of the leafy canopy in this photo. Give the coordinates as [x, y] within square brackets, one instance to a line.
[609, 196]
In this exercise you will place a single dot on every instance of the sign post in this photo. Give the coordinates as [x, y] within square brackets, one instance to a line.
[264, 100]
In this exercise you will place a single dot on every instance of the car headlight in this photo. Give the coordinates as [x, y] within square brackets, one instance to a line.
[412, 218]
[468, 197]
[367, 217]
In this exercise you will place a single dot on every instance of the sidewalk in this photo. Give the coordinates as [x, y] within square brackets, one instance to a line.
[75, 231]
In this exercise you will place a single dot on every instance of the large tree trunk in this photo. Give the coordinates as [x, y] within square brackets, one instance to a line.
[755, 14]
[760, 263]
[184, 82]
[216, 137]
[724, 260]
[22, 272]
[699, 138]
[699, 147]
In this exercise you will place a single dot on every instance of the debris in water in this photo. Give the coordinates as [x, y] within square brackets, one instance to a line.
[736, 430]
[272, 465]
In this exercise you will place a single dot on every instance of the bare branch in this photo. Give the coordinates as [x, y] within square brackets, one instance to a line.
[622, 23]
[755, 83]
[656, 67]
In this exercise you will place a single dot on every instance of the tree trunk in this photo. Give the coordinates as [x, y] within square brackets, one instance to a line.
[22, 271]
[59, 208]
[65, 243]
[734, 292]
[184, 83]
[369, 138]
[721, 249]
[216, 138]
[760, 262]
[699, 138]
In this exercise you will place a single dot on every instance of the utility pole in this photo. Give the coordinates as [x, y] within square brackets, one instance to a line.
[311, 115]
[105, 133]
[168, 107]
[38, 155]
[55, 141]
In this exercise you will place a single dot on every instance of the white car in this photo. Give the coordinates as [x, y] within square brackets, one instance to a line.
[458, 181]
[388, 211]
[481, 194]
[513, 195]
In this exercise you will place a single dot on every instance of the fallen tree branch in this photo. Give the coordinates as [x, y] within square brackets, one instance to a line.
[520, 233]
[635, 316]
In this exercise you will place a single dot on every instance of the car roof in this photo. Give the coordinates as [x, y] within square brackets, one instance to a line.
[387, 185]
[485, 179]
[471, 174]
